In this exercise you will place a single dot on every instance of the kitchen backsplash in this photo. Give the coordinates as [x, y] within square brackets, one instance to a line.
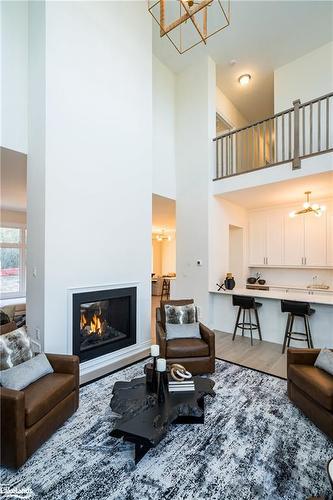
[294, 277]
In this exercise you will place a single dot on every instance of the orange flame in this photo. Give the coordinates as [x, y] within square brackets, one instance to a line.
[83, 321]
[95, 324]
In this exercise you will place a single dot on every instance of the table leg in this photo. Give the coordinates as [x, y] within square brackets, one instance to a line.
[140, 451]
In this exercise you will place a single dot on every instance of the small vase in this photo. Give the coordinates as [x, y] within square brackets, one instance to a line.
[229, 283]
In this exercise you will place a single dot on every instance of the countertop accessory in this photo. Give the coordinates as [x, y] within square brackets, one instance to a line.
[229, 282]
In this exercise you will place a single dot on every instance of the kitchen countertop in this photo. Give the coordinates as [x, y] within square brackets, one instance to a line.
[287, 293]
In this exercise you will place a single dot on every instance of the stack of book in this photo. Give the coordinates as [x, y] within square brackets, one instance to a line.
[185, 386]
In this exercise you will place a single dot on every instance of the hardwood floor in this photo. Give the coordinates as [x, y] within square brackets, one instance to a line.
[264, 356]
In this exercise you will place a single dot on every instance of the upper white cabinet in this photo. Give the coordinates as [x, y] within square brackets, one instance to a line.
[315, 235]
[329, 226]
[293, 239]
[257, 238]
[275, 239]
[266, 238]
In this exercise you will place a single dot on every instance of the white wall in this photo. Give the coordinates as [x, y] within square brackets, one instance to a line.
[98, 187]
[14, 75]
[223, 214]
[164, 173]
[305, 78]
[195, 103]
[228, 111]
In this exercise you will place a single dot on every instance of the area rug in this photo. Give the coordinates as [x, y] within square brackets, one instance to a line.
[254, 444]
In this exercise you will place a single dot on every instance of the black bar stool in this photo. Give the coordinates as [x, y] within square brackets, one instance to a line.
[246, 303]
[301, 310]
[165, 294]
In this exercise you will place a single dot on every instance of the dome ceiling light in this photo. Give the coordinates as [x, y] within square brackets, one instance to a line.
[244, 79]
[187, 23]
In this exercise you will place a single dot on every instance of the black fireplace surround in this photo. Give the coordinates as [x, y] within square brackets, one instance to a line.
[104, 321]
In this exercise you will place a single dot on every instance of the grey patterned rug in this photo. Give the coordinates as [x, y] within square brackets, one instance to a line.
[254, 444]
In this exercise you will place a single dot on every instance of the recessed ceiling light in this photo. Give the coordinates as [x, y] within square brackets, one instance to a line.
[244, 79]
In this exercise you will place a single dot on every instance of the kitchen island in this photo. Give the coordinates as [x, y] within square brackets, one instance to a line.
[272, 320]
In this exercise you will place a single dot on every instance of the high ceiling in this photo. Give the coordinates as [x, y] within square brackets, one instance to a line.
[279, 193]
[13, 180]
[262, 36]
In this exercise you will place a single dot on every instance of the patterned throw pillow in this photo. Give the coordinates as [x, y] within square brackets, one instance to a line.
[15, 347]
[180, 314]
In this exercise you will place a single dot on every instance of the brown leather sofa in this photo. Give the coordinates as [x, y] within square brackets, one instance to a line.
[310, 388]
[196, 355]
[30, 416]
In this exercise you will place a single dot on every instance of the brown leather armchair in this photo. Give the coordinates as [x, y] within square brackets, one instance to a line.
[310, 388]
[196, 355]
[30, 416]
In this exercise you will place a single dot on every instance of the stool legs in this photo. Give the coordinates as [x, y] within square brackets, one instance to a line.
[258, 323]
[289, 332]
[286, 333]
[308, 332]
[247, 325]
[250, 321]
[236, 325]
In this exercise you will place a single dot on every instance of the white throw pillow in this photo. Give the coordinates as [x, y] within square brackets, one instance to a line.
[22, 375]
[182, 331]
[325, 361]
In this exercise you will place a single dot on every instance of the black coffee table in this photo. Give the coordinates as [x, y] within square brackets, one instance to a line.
[145, 422]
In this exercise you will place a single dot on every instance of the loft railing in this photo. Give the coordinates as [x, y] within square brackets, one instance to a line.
[298, 132]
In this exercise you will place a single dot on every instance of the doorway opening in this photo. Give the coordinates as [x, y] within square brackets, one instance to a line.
[163, 266]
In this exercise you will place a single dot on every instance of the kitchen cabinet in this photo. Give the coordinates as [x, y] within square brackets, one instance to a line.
[266, 238]
[275, 239]
[315, 234]
[293, 239]
[329, 229]
[257, 238]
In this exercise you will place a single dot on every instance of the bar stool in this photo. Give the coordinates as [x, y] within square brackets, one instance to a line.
[246, 303]
[301, 310]
[165, 294]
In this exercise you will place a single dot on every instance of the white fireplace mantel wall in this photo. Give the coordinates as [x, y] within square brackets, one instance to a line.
[89, 173]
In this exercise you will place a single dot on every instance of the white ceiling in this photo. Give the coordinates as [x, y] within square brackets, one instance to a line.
[262, 36]
[279, 193]
[13, 180]
[164, 214]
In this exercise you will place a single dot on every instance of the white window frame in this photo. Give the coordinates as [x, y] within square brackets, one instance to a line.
[22, 246]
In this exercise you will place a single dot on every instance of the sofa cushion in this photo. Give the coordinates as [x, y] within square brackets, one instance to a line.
[184, 331]
[179, 315]
[44, 394]
[172, 303]
[20, 376]
[314, 382]
[15, 347]
[184, 348]
[325, 361]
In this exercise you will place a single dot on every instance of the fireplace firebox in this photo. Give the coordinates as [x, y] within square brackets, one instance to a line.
[103, 321]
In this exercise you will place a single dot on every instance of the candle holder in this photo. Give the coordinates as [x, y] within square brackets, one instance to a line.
[162, 381]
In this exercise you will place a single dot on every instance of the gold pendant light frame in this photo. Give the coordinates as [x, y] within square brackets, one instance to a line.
[190, 9]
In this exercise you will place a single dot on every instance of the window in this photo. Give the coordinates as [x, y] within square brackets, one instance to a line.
[12, 261]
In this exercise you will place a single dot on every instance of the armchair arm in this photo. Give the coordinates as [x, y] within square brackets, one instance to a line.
[63, 363]
[302, 356]
[209, 337]
[161, 339]
[13, 449]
